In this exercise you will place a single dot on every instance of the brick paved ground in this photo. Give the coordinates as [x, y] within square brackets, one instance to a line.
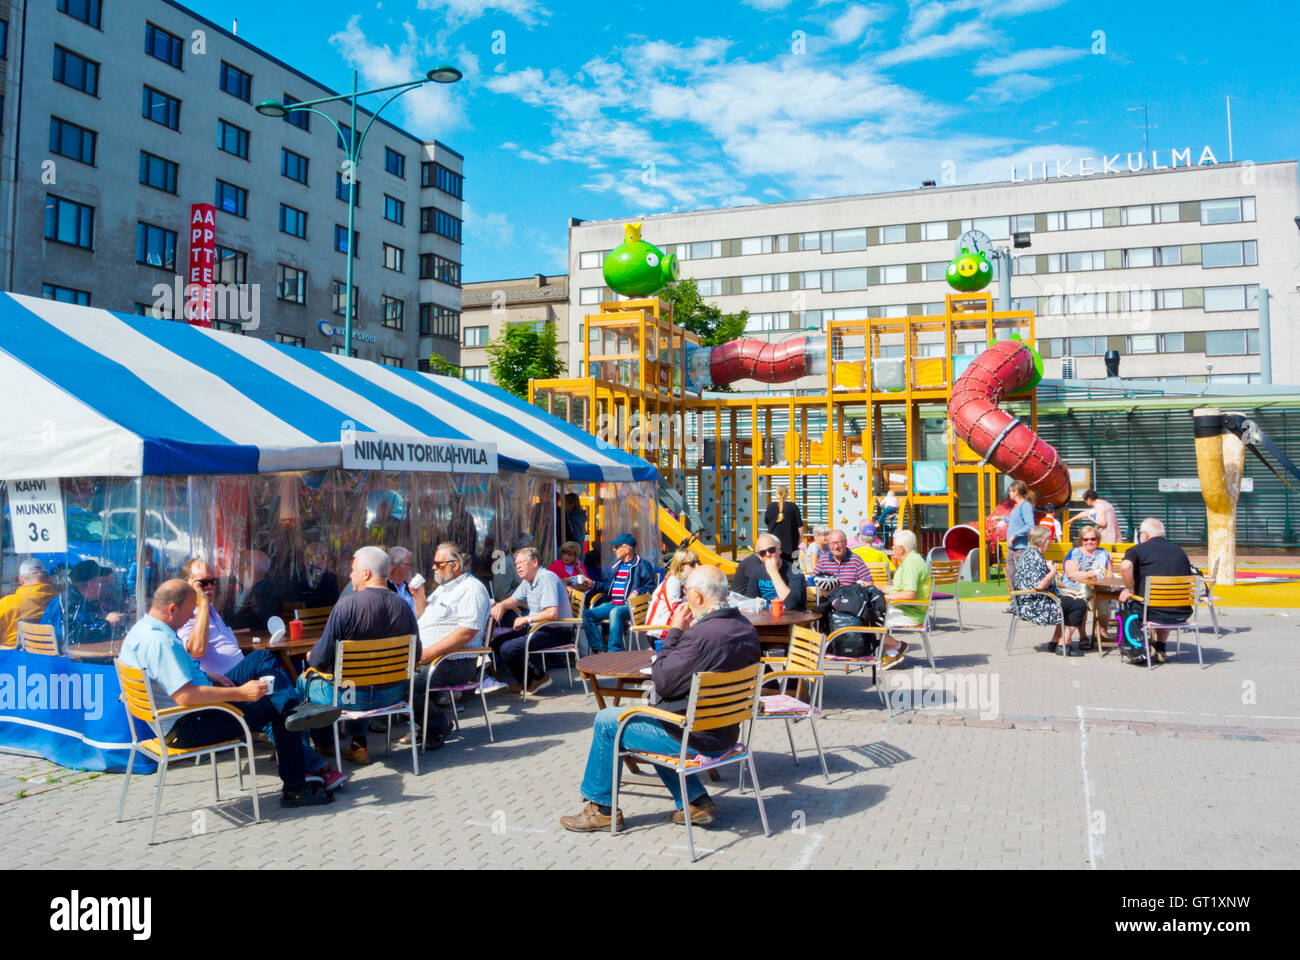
[1079, 763]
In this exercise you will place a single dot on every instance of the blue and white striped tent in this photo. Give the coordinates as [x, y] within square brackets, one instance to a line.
[90, 393]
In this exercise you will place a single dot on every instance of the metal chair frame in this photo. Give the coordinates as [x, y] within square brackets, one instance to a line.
[945, 573]
[379, 665]
[872, 661]
[719, 699]
[138, 701]
[923, 628]
[1205, 595]
[803, 661]
[483, 654]
[1171, 592]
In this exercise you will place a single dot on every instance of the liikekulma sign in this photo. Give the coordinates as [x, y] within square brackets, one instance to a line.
[373, 451]
[1131, 163]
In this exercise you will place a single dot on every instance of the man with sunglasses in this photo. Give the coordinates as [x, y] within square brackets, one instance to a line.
[764, 574]
[212, 643]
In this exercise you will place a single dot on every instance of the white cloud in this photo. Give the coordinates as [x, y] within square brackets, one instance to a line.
[965, 36]
[850, 25]
[493, 229]
[1013, 88]
[460, 12]
[1023, 60]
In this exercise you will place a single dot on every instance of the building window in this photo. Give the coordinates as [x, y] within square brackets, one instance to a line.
[298, 118]
[87, 11]
[231, 199]
[477, 374]
[850, 278]
[290, 340]
[394, 313]
[236, 82]
[341, 188]
[394, 209]
[935, 230]
[448, 181]
[1231, 298]
[71, 141]
[293, 221]
[476, 336]
[1233, 210]
[434, 267]
[1237, 253]
[433, 220]
[157, 172]
[293, 165]
[590, 259]
[291, 284]
[589, 296]
[388, 361]
[345, 137]
[232, 139]
[4, 39]
[231, 266]
[394, 162]
[1226, 343]
[161, 45]
[341, 239]
[1143, 343]
[842, 240]
[155, 246]
[67, 221]
[339, 306]
[439, 321]
[161, 108]
[65, 294]
[337, 350]
[394, 258]
[73, 70]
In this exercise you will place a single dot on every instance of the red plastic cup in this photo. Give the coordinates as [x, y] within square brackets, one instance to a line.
[295, 629]
[778, 608]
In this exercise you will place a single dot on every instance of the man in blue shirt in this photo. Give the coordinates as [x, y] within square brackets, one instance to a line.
[87, 621]
[544, 595]
[631, 575]
[152, 645]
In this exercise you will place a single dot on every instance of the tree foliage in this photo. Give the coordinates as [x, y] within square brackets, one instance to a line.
[443, 367]
[704, 319]
[523, 353]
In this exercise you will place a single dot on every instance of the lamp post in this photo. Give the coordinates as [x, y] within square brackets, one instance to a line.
[274, 108]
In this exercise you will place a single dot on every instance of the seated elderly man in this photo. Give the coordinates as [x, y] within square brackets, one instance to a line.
[212, 643]
[1154, 556]
[546, 599]
[152, 644]
[83, 607]
[370, 612]
[28, 602]
[703, 635]
[453, 619]
[840, 564]
[764, 574]
[630, 575]
[911, 582]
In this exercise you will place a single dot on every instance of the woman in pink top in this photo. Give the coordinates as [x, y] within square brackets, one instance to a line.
[569, 567]
[1102, 514]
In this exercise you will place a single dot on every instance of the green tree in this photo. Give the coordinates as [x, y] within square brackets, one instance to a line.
[441, 365]
[704, 319]
[522, 353]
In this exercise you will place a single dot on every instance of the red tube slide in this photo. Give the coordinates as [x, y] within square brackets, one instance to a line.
[996, 435]
[759, 360]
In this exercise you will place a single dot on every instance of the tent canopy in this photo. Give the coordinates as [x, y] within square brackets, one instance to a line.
[92, 393]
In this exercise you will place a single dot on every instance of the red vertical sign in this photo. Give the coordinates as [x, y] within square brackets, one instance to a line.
[203, 254]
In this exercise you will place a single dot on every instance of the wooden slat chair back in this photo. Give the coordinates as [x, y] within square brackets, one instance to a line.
[717, 699]
[879, 571]
[376, 663]
[313, 618]
[803, 663]
[945, 579]
[639, 606]
[38, 638]
[1171, 592]
[138, 699]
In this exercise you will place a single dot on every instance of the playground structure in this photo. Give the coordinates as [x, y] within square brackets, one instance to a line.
[722, 457]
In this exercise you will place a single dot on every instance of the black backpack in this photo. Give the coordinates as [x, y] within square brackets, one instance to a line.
[854, 605]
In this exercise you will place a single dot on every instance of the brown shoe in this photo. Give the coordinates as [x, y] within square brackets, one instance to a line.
[590, 819]
[888, 661]
[703, 814]
[358, 754]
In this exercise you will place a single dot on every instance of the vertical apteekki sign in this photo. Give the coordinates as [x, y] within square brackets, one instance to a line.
[36, 516]
[202, 267]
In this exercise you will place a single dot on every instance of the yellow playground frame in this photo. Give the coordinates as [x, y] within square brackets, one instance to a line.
[635, 398]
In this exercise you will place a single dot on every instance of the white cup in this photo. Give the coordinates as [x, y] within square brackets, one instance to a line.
[269, 680]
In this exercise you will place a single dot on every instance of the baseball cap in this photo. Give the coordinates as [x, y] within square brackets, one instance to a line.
[624, 540]
[88, 570]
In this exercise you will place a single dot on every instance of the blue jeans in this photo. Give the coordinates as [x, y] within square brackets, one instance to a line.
[258, 664]
[617, 614]
[314, 688]
[642, 733]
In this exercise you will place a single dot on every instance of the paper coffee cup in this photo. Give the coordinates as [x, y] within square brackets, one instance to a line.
[269, 680]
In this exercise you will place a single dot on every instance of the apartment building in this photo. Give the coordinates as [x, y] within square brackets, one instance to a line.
[490, 306]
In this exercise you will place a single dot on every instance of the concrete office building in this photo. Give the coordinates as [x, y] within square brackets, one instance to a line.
[117, 117]
[492, 305]
[1163, 265]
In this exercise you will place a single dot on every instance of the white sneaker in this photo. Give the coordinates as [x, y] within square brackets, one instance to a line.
[490, 684]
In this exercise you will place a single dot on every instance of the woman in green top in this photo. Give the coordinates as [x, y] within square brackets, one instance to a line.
[911, 582]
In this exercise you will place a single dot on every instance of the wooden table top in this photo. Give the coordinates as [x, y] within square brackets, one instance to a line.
[788, 618]
[1105, 585]
[292, 647]
[619, 664]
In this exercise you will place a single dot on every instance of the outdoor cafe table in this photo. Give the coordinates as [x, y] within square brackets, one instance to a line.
[1099, 590]
[775, 631]
[285, 649]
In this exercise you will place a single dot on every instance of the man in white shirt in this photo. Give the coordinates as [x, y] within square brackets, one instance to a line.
[452, 620]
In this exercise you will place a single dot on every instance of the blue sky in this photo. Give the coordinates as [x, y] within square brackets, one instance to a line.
[576, 108]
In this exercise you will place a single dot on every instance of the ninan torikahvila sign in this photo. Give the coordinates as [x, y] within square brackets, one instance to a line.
[1088, 166]
[373, 451]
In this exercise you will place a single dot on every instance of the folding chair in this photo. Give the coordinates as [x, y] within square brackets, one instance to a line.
[947, 573]
[137, 696]
[1171, 592]
[803, 661]
[38, 638]
[376, 663]
[1205, 595]
[721, 699]
[482, 654]
[567, 650]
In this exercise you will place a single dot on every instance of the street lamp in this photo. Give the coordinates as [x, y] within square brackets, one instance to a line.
[443, 73]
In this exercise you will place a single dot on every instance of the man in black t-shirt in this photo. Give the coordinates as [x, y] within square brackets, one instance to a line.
[764, 574]
[1154, 556]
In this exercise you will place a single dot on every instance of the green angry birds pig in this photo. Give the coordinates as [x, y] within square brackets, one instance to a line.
[969, 272]
[635, 268]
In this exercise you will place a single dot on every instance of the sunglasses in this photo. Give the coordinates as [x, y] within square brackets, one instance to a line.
[1089, 539]
[439, 564]
[769, 551]
[207, 582]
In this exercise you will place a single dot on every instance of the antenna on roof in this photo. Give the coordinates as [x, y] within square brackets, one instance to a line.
[234, 28]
